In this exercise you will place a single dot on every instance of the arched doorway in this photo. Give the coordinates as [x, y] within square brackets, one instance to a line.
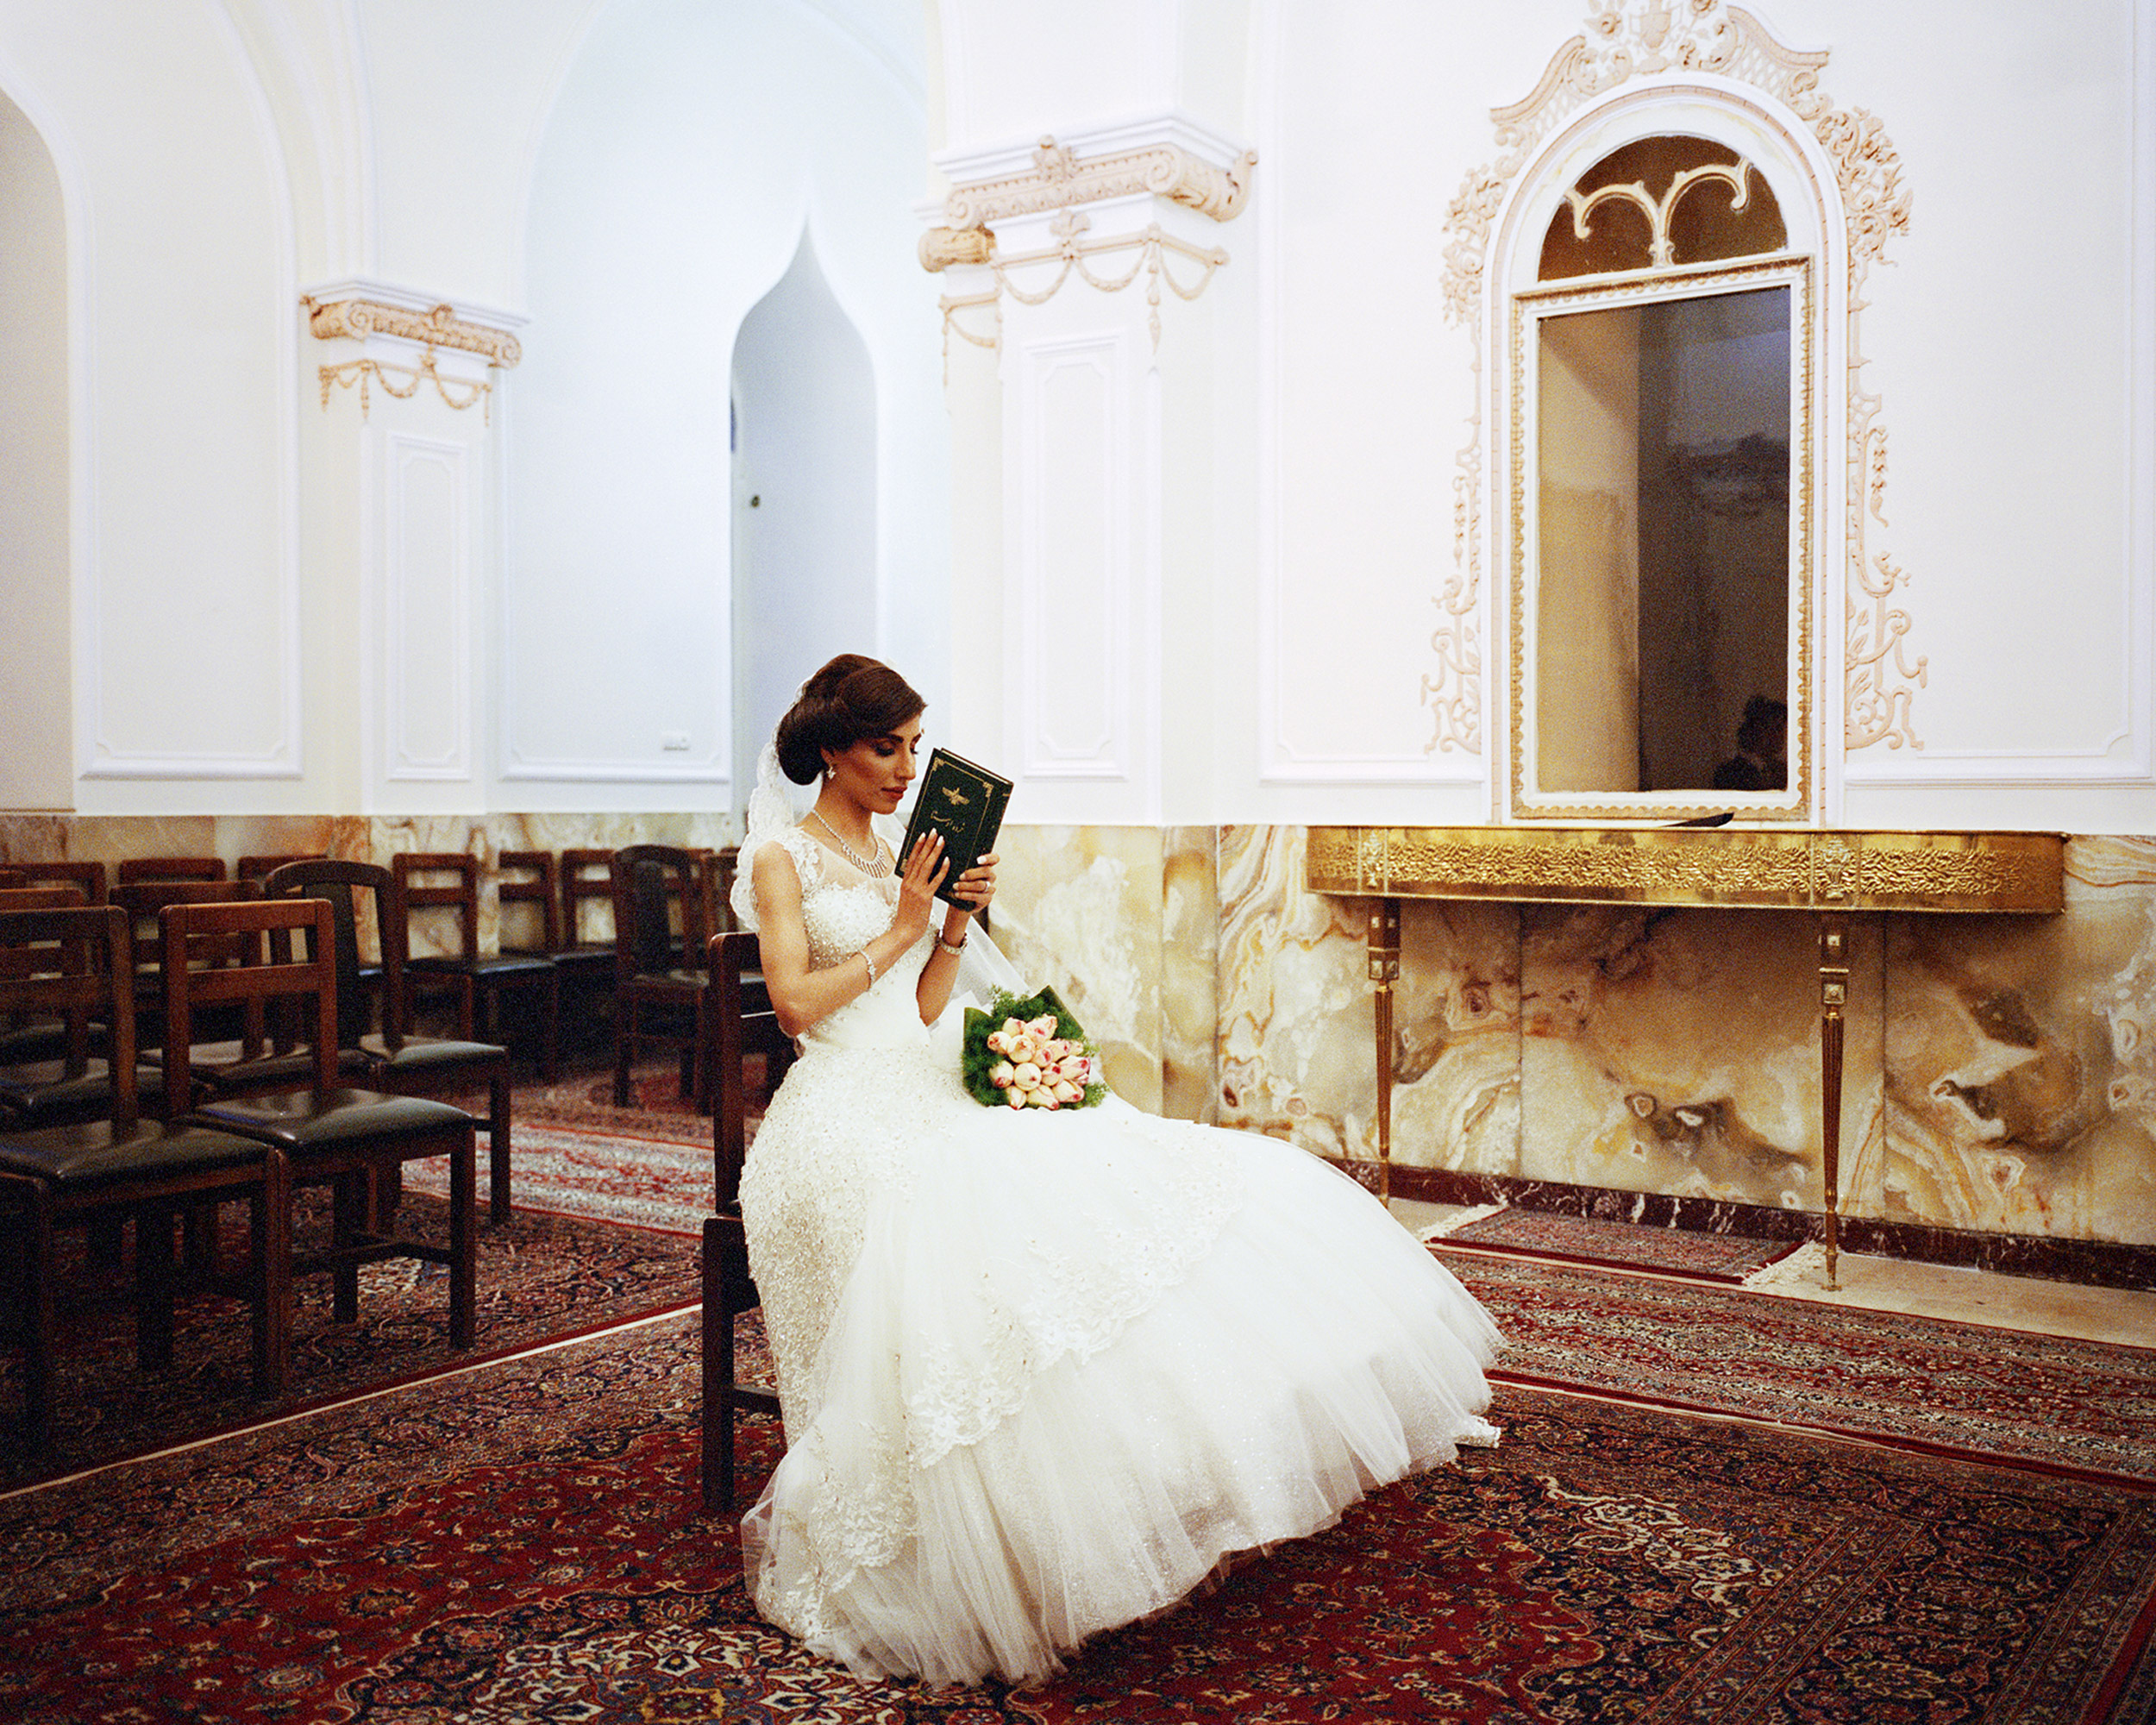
[804, 440]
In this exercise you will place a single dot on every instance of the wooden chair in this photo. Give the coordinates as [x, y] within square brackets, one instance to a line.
[540, 888]
[136, 869]
[587, 878]
[144, 900]
[467, 973]
[103, 1174]
[657, 998]
[28, 1038]
[257, 867]
[391, 1061]
[353, 1141]
[739, 1028]
[59, 1072]
[88, 876]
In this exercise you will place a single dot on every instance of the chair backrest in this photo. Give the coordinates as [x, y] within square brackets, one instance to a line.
[460, 893]
[259, 980]
[587, 877]
[542, 888]
[255, 868]
[143, 900]
[648, 881]
[73, 963]
[340, 883]
[172, 868]
[89, 876]
[40, 898]
[735, 1032]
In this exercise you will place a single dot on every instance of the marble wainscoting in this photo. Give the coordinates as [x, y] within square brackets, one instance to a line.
[365, 838]
[1123, 922]
[2020, 1062]
[2000, 1073]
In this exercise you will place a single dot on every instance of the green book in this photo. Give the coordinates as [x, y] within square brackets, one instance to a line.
[964, 803]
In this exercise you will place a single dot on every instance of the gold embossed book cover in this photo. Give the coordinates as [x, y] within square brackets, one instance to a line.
[962, 802]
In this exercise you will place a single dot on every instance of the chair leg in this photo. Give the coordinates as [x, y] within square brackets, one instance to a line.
[497, 1148]
[463, 1241]
[625, 1043]
[550, 1030]
[349, 1214]
[271, 1224]
[466, 992]
[717, 1471]
[154, 1280]
[37, 1318]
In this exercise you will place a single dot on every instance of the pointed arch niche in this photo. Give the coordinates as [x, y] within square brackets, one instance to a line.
[1663, 270]
[804, 437]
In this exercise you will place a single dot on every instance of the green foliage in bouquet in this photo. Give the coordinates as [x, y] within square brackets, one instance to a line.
[980, 1064]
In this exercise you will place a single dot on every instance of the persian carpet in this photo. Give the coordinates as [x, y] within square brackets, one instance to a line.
[2046, 1400]
[541, 1277]
[520, 1544]
[611, 1177]
[1590, 1239]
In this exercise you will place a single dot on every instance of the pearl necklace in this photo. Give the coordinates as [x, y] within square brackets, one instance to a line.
[875, 866]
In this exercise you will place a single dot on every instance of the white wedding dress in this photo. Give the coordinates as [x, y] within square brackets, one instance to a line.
[1042, 1371]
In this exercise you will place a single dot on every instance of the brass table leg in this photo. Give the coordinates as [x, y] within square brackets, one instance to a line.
[1833, 996]
[1384, 971]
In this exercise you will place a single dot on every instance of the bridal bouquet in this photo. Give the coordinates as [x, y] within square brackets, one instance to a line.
[1030, 1053]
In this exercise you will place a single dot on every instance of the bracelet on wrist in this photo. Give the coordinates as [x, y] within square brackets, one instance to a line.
[952, 947]
[871, 963]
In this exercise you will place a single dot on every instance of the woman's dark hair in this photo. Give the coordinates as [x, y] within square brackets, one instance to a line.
[851, 698]
[1763, 716]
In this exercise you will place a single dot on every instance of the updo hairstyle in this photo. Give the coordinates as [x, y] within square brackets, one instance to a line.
[851, 698]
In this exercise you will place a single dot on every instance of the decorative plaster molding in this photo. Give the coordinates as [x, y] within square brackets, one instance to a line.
[364, 319]
[362, 372]
[1058, 179]
[1056, 184]
[439, 327]
[1628, 39]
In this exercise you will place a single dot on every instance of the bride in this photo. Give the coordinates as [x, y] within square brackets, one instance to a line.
[1041, 1373]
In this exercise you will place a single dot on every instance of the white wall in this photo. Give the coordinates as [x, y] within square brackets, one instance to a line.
[689, 149]
[2007, 335]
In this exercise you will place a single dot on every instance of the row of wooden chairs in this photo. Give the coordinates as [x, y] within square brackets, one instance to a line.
[666, 902]
[53, 1073]
[251, 1127]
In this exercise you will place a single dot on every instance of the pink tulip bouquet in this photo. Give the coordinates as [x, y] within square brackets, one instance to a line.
[1030, 1053]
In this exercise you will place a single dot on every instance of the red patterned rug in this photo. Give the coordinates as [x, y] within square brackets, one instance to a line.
[540, 1278]
[1590, 1239]
[519, 1545]
[2046, 1400]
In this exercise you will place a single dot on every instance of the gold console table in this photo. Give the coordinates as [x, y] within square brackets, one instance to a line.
[1830, 875]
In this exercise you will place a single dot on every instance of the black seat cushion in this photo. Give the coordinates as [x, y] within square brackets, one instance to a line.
[300, 1120]
[219, 1065]
[42, 1092]
[73, 1157]
[425, 1053]
[504, 964]
[46, 1040]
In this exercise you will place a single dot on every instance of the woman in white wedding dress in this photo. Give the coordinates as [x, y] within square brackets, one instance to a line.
[1041, 1373]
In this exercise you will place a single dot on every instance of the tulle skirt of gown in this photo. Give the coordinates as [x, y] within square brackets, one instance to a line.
[1042, 1371]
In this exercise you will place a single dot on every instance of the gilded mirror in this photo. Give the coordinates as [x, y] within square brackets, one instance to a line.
[1661, 667]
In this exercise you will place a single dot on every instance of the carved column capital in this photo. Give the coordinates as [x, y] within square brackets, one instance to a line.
[331, 316]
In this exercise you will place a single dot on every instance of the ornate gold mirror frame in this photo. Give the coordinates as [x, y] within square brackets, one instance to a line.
[1530, 798]
[1643, 52]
